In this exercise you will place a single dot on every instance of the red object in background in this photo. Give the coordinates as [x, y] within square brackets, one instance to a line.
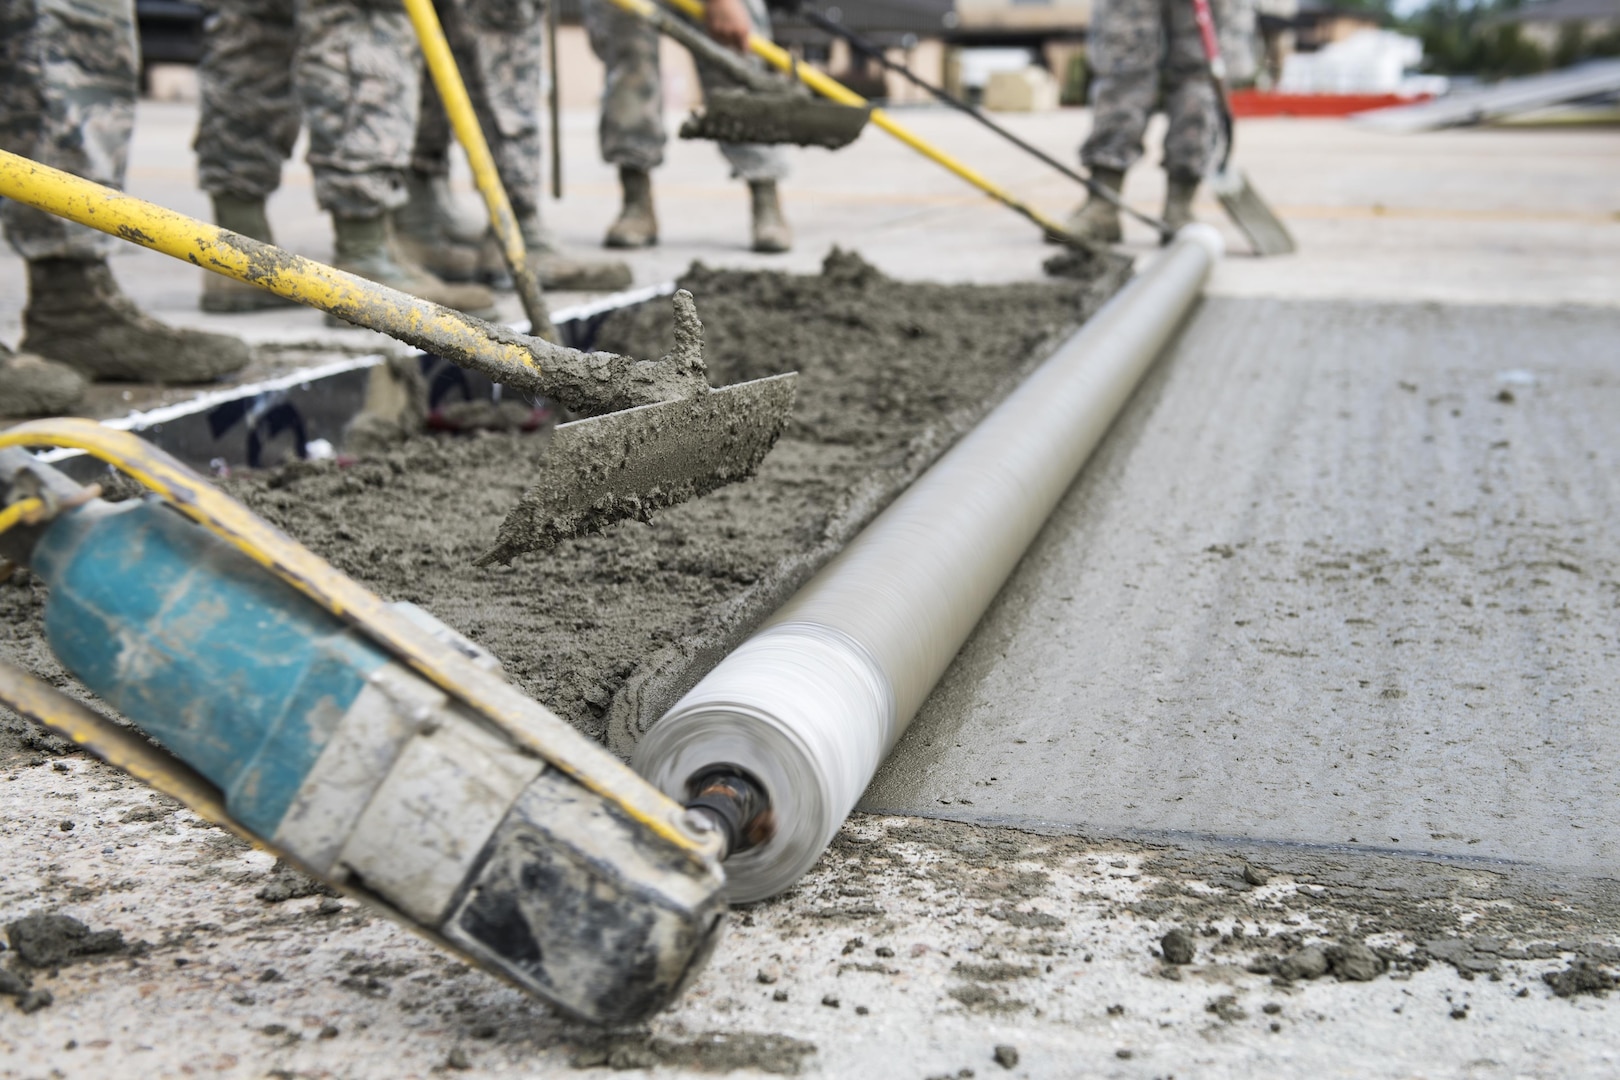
[1261, 103]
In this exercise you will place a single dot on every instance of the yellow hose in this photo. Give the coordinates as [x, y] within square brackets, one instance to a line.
[441, 65]
[21, 512]
[833, 90]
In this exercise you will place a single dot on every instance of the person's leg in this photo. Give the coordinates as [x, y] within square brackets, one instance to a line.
[631, 132]
[433, 228]
[357, 78]
[1125, 46]
[497, 48]
[1193, 138]
[67, 99]
[246, 127]
[760, 166]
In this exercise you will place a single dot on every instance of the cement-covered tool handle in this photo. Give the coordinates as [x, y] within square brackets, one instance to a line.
[584, 382]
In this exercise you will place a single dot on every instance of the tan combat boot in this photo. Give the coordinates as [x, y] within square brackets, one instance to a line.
[365, 246]
[225, 295]
[1098, 219]
[772, 234]
[432, 231]
[555, 269]
[77, 315]
[637, 226]
[34, 386]
[1178, 202]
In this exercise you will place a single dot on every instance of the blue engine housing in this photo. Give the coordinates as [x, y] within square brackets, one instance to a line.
[231, 669]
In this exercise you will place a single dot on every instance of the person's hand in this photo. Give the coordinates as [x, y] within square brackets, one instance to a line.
[728, 23]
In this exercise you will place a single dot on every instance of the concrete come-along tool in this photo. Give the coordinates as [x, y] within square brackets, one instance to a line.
[365, 743]
[836, 92]
[656, 432]
[761, 108]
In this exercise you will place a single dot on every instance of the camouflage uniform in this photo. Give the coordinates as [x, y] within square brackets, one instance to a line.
[69, 74]
[1138, 49]
[632, 127]
[497, 47]
[354, 65]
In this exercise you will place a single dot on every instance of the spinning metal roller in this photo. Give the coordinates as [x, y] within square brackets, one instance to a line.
[773, 748]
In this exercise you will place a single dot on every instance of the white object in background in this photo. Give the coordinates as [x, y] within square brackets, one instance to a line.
[979, 64]
[1366, 62]
[1031, 90]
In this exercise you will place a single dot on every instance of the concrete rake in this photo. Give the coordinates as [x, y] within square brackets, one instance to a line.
[655, 434]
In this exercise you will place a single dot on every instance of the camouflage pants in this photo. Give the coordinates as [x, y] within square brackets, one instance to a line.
[497, 47]
[69, 74]
[1140, 49]
[632, 128]
[353, 64]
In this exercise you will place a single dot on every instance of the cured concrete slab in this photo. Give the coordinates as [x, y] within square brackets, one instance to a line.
[1342, 574]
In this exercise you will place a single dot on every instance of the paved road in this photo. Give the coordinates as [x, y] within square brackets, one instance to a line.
[1344, 573]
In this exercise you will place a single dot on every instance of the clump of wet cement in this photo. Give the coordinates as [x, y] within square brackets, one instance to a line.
[717, 1052]
[47, 940]
[882, 365]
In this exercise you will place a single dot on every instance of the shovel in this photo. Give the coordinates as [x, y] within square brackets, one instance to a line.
[1243, 204]
[657, 433]
[762, 108]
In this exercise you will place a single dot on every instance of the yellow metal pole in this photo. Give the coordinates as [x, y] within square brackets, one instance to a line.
[833, 90]
[441, 65]
[492, 350]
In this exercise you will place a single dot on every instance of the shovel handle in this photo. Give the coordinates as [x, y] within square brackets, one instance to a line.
[473, 343]
[441, 65]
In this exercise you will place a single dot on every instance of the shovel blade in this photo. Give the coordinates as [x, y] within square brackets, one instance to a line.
[1249, 212]
[628, 464]
[750, 116]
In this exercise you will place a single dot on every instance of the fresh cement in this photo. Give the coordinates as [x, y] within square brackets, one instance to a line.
[916, 947]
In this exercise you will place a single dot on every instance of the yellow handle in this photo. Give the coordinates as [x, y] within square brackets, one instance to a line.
[441, 65]
[473, 343]
[833, 90]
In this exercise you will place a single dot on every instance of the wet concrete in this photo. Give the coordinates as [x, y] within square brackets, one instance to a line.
[1343, 574]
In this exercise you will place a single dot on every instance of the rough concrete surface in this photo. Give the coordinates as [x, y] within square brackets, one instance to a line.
[1343, 573]
[920, 947]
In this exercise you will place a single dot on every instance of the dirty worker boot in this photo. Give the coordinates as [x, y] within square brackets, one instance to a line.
[772, 234]
[225, 295]
[77, 315]
[365, 246]
[555, 269]
[1098, 219]
[432, 231]
[1178, 202]
[637, 226]
[34, 386]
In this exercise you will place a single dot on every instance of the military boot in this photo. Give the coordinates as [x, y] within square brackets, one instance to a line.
[77, 315]
[34, 386]
[555, 269]
[432, 231]
[225, 295]
[1178, 202]
[365, 246]
[637, 226]
[772, 234]
[1098, 219]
